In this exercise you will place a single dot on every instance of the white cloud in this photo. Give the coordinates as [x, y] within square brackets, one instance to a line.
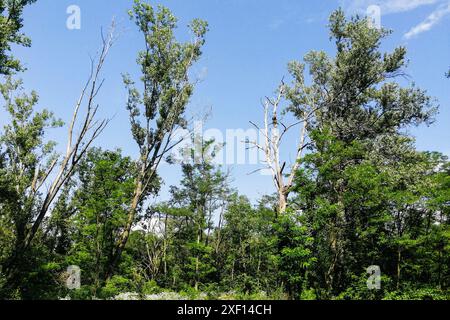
[397, 6]
[387, 6]
[430, 21]
[393, 6]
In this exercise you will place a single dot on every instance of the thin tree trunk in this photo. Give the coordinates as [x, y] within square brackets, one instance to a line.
[282, 201]
[126, 233]
[399, 257]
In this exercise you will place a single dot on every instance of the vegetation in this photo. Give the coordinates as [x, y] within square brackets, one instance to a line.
[359, 194]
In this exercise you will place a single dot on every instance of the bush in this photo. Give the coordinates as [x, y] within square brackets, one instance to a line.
[418, 294]
[115, 286]
[151, 287]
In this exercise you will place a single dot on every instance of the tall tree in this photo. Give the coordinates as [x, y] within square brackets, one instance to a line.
[350, 94]
[37, 174]
[356, 142]
[158, 111]
[189, 216]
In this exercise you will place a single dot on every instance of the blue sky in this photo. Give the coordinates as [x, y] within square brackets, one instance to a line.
[248, 47]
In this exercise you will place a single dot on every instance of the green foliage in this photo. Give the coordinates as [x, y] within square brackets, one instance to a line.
[105, 181]
[186, 249]
[164, 66]
[364, 213]
[151, 287]
[244, 247]
[363, 190]
[294, 253]
[200, 263]
[26, 157]
[363, 195]
[354, 93]
[159, 110]
[116, 285]
[414, 293]
[11, 23]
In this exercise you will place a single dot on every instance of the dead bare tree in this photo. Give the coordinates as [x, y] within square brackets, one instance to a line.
[77, 144]
[274, 130]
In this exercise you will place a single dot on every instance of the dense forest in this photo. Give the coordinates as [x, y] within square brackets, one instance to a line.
[361, 214]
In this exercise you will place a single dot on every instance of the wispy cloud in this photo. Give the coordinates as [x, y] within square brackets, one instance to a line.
[394, 6]
[430, 21]
[398, 6]
[387, 6]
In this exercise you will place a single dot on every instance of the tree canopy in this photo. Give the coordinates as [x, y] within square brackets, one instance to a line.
[359, 196]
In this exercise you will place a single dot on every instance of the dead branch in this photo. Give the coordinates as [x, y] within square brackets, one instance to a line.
[76, 146]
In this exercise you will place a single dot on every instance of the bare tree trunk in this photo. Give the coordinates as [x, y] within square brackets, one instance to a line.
[282, 201]
[219, 229]
[165, 245]
[273, 138]
[399, 258]
[121, 243]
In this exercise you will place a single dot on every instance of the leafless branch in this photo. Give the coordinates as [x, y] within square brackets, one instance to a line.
[76, 146]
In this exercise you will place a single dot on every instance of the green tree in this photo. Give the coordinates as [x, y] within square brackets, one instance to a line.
[11, 23]
[348, 183]
[357, 94]
[244, 247]
[27, 156]
[203, 191]
[30, 163]
[158, 111]
[105, 182]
